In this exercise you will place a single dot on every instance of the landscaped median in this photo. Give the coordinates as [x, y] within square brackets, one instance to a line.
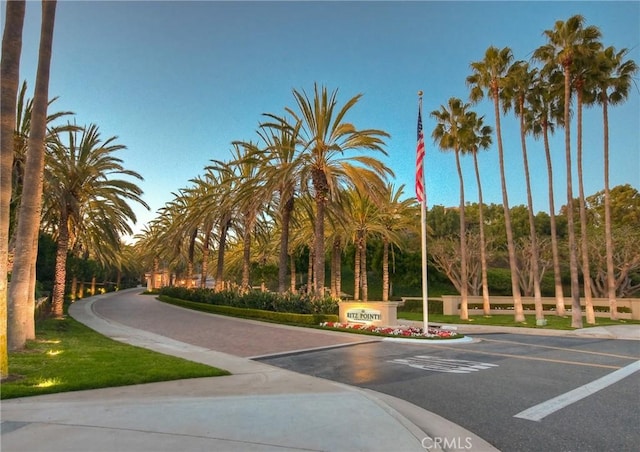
[316, 320]
[408, 332]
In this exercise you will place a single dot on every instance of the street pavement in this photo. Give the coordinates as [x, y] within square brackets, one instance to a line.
[257, 408]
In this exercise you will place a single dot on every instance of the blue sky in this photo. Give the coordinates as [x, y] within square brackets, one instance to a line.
[177, 82]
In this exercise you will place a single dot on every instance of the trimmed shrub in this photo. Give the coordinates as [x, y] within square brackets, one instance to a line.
[264, 301]
[247, 313]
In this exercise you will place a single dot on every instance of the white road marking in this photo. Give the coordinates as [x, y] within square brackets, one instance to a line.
[433, 363]
[540, 411]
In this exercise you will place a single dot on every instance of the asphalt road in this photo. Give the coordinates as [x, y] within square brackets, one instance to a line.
[483, 385]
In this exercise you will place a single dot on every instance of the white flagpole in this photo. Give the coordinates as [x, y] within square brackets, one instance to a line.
[425, 303]
[423, 240]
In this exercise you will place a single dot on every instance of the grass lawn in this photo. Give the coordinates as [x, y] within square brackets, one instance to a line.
[553, 322]
[68, 356]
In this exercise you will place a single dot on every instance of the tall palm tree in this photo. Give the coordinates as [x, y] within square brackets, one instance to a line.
[9, 75]
[585, 94]
[566, 42]
[364, 218]
[397, 216]
[480, 138]
[220, 203]
[544, 107]
[21, 138]
[281, 172]
[517, 87]
[613, 80]
[325, 138]
[203, 214]
[83, 195]
[488, 74]
[250, 197]
[451, 133]
[21, 299]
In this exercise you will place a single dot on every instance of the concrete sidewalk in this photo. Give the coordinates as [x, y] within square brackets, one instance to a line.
[258, 408]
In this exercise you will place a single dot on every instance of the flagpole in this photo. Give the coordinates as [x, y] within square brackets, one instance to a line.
[423, 234]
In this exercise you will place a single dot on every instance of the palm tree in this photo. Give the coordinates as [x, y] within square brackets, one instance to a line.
[544, 107]
[451, 133]
[364, 220]
[83, 198]
[250, 197]
[281, 171]
[203, 211]
[480, 136]
[585, 94]
[518, 84]
[21, 299]
[325, 137]
[613, 80]
[9, 75]
[397, 216]
[566, 42]
[220, 203]
[489, 75]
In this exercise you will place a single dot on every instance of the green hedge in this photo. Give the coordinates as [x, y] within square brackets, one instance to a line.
[434, 305]
[247, 313]
[265, 301]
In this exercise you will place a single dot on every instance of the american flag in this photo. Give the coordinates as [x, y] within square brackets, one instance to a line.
[420, 160]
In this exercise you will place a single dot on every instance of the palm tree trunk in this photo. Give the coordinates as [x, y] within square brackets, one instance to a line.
[363, 272]
[205, 257]
[576, 310]
[9, 75]
[335, 267]
[62, 247]
[586, 272]
[74, 288]
[191, 257]
[292, 266]
[464, 284]
[535, 269]
[611, 279]
[515, 285]
[310, 271]
[385, 269]
[246, 257]
[338, 251]
[322, 189]
[557, 275]
[224, 226]
[356, 269]
[486, 306]
[31, 206]
[284, 245]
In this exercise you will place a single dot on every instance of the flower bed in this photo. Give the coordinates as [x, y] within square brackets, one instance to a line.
[399, 331]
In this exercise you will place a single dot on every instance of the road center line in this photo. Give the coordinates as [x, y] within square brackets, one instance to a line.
[540, 411]
[573, 350]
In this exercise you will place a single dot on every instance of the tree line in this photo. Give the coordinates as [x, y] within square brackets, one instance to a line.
[310, 180]
[62, 182]
[310, 183]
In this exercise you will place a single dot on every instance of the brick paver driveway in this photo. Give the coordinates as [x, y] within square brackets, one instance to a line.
[245, 338]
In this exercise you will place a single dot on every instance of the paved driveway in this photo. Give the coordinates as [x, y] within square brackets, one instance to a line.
[244, 338]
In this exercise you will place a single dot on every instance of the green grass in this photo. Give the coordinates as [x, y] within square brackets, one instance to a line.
[553, 322]
[68, 356]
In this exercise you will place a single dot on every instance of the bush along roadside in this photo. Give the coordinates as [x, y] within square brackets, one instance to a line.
[249, 309]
